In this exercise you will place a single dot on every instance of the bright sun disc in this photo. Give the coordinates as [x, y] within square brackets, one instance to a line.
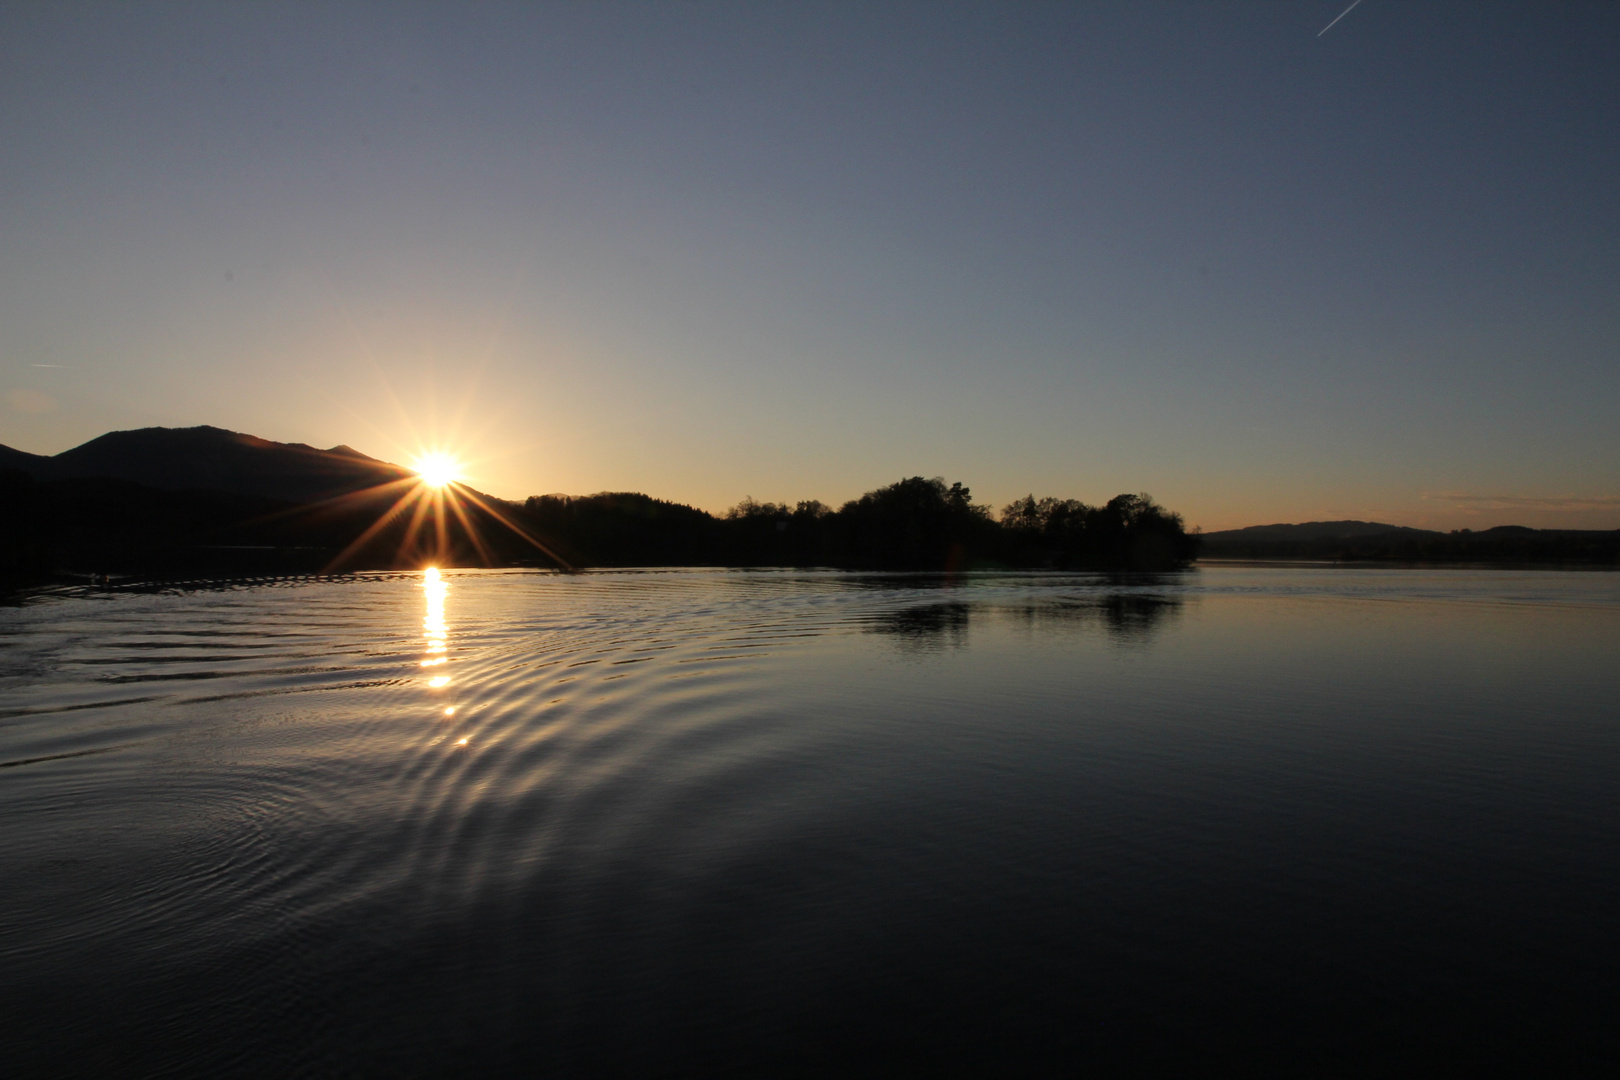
[437, 470]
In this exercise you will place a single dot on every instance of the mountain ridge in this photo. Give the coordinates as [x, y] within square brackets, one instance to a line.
[1354, 541]
[207, 458]
[157, 497]
[207, 501]
[1317, 530]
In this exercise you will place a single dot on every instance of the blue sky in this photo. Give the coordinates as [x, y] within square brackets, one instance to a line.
[792, 251]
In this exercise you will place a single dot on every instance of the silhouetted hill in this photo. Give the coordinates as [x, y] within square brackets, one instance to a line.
[212, 459]
[204, 502]
[99, 525]
[1312, 531]
[1372, 541]
[624, 528]
[208, 502]
[21, 461]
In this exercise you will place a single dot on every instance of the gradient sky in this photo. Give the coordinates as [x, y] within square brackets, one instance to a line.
[792, 251]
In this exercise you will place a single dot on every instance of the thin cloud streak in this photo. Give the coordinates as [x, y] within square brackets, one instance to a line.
[1464, 500]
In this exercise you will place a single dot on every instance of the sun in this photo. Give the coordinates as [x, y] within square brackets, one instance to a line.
[437, 469]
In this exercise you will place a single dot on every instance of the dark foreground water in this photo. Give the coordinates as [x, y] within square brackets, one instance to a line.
[644, 823]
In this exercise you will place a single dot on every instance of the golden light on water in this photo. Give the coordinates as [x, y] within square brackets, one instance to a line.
[436, 634]
[434, 629]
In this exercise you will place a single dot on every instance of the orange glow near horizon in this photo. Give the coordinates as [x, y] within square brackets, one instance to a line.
[428, 508]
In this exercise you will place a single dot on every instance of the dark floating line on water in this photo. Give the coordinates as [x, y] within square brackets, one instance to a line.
[711, 659]
[168, 676]
[60, 757]
[11, 714]
[255, 646]
[108, 661]
[293, 690]
[198, 676]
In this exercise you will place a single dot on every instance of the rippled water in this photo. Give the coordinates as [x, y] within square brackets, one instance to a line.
[643, 823]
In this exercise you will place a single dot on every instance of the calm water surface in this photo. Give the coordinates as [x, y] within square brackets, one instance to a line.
[643, 823]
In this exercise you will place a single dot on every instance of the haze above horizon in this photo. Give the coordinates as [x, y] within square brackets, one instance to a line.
[791, 252]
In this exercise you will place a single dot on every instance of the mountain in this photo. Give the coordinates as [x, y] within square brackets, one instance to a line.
[162, 504]
[1372, 540]
[212, 459]
[204, 501]
[32, 464]
[1313, 531]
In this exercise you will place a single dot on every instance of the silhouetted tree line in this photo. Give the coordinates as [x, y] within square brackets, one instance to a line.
[1128, 532]
[100, 526]
[914, 524]
[620, 529]
[121, 527]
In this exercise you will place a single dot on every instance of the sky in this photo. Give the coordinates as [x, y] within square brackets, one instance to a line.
[789, 251]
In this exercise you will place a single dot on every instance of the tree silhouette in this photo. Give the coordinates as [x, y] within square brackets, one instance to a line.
[917, 523]
[1129, 532]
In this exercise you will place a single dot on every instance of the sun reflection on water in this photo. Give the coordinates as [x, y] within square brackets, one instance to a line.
[434, 629]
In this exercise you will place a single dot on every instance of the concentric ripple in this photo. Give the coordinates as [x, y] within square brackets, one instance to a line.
[637, 822]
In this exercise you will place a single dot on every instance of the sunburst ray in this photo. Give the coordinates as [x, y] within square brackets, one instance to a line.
[515, 527]
[376, 527]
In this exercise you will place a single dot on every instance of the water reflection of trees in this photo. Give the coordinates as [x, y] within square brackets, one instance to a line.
[1128, 616]
[926, 627]
[1123, 616]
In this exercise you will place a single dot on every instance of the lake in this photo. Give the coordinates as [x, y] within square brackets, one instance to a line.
[642, 823]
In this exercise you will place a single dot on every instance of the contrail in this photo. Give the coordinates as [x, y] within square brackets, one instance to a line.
[1342, 14]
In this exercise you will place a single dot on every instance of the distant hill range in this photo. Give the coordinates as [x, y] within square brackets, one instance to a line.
[208, 503]
[165, 503]
[203, 501]
[1372, 540]
[1315, 530]
[212, 459]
